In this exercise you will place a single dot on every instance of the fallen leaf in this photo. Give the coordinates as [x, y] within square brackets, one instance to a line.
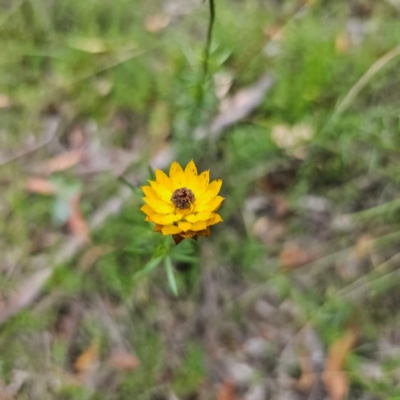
[239, 106]
[103, 86]
[307, 377]
[123, 360]
[268, 230]
[157, 22]
[40, 186]
[91, 255]
[4, 101]
[222, 82]
[25, 294]
[292, 139]
[90, 45]
[335, 380]
[76, 138]
[76, 223]
[342, 43]
[226, 391]
[64, 161]
[353, 265]
[293, 256]
[273, 32]
[87, 359]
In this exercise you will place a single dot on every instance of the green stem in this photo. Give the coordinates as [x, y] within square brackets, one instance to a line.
[209, 38]
[207, 50]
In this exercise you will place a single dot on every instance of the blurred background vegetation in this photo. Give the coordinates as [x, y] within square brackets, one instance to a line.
[295, 296]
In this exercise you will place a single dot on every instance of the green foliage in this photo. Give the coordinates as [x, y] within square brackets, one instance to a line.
[95, 60]
[191, 372]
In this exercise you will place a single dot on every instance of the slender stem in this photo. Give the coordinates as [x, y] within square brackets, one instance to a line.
[209, 37]
[207, 50]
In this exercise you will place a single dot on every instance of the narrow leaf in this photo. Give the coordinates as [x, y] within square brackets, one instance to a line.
[171, 276]
[152, 264]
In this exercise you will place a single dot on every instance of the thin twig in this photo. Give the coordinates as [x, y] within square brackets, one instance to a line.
[53, 126]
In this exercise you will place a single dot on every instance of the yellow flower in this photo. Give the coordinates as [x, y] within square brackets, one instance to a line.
[183, 204]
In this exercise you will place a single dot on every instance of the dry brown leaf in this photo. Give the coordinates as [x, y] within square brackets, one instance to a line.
[25, 294]
[4, 101]
[5, 393]
[342, 43]
[293, 256]
[335, 380]
[239, 106]
[87, 359]
[274, 32]
[124, 361]
[363, 246]
[307, 378]
[226, 391]
[268, 231]
[39, 185]
[76, 223]
[222, 82]
[64, 161]
[76, 138]
[292, 138]
[91, 255]
[157, 22]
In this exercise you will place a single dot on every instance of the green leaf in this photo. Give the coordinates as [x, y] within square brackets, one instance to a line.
[152, 264]
[152, 174]
[61, 209]
[171, 276]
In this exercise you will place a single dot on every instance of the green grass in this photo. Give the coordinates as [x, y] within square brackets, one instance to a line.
[94, 61]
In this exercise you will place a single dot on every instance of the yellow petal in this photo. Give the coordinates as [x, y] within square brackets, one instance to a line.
[170, 230]
[162, 179]
[171, 218]
[161, 191]
[211, 192]
[202, 216]
[147, 209]
[202, 183]
[199, 226]
[213, 205]
[150, 193]
[156, 218]
[177, 176]
[191, 175]
[214, 220]
[159, 206]
[184, 226]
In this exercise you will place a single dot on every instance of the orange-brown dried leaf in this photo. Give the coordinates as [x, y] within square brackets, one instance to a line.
[124, 361]
[64, 161]
[294, 256]
[76, 223]
[226, 391]
[40, 186]
[334, 378]
[87, 359]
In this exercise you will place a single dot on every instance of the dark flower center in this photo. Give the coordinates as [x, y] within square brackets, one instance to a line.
[183, 198]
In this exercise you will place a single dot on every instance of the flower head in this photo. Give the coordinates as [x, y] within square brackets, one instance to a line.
[183, 204]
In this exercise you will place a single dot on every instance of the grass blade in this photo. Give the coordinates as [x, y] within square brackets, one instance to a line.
[171, 276]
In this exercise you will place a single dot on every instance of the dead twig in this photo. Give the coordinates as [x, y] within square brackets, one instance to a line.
[51, 130]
